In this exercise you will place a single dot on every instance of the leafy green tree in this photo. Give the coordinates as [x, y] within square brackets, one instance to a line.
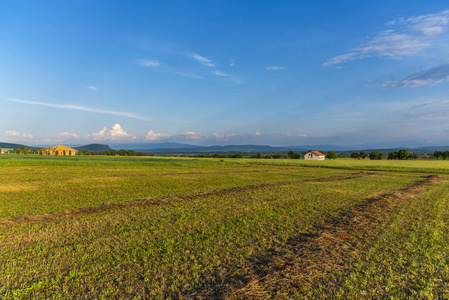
[437, 154]
[363, 154]
[0, 150]
[354, 155]
[403, 154]
[331, 154]
[393, 155]
[293, 155]
[238, 155]
[413, 156]
[132, 153]
[25, 150]
[374, 155]
[445, 154]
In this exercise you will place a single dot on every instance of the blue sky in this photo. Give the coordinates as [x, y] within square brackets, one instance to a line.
[224, 72]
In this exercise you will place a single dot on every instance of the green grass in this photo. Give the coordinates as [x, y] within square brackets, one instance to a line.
[158, 251]
[164, 250]
[408, 255]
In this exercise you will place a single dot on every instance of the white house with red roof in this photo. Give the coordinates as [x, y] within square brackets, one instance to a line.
[315, 155]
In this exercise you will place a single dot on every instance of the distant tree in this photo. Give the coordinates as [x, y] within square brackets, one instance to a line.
[354, 155]
[331, 154]
[363, 154]
[0, 150]
[403, 154]
[437, 154]
[64, 153]
[17, 151]
[259, 155]
[84, 152]
[445, 154]
[24, 150]
[56, 153]
[238, 155]
[393, 155]
[40, 152]
[374, 155]
[380, 156]
[132, 153]
[413, 156]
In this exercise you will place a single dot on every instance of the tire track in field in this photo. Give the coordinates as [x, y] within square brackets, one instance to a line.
[151, 175]
[282, 273]
[151, 201]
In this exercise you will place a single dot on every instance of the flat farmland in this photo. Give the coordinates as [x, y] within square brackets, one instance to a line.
[157, 228]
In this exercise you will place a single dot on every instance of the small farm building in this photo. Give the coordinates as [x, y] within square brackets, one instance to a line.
[314, 155]
[59, 150]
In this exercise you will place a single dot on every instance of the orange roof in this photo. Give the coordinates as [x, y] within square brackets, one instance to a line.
[60, 148]
[318, 153]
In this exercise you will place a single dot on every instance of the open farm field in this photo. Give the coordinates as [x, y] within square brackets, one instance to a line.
[157, 228]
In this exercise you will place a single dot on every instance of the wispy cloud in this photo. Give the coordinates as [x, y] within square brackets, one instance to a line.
[274, 68]
[93, 88]
[82, 108]
[232, 63]
[441, 102]
[203, 60]
[427, 77]
[409, 37]
[230, 76]
[151, 63]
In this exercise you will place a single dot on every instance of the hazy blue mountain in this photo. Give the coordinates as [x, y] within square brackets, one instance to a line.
[93, 147]
[149, 146]
[12, 146]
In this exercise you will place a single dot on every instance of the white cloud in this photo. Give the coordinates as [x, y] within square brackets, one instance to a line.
[410, 36]
[191, 135]
[274, 68]
[152, 136]
[220, 73]
[93, 88]
[116, 133]
[232, 63]
[257, 133]
[428, 77]
[301, 135]
[230, 76]
[18, 136]
[151, 63]
[82, 108]
[203, 60]
[224, 135]
[68, 135]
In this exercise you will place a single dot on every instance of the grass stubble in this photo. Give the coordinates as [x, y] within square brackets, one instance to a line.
[276, 235]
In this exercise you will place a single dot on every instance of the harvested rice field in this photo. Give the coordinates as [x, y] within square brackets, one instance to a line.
[158, 228]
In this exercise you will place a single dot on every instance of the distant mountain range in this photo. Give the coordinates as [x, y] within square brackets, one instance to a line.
[179, 148]
[93, 147]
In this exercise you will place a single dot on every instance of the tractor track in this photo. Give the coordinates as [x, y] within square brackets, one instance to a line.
[308, 256]
[152, 201]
